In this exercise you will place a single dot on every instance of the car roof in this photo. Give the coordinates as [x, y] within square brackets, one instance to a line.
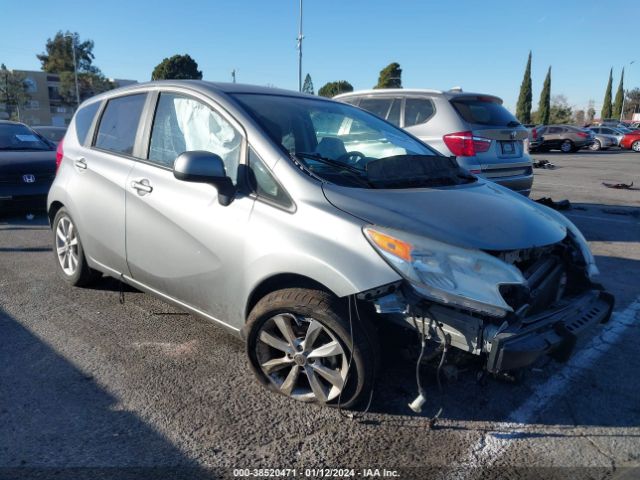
[449, 94]
[203, 87]
[11, 122]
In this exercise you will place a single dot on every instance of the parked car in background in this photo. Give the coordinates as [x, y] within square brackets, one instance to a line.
[565, 138]
[245, 206]
[609, 131]
[535, 139]
[602, 141]
[53, 134]
[631, 141]
[27, 167]
[485, 137]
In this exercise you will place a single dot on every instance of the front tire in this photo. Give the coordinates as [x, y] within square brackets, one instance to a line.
[635, 146]
[299, 345]
[595, 146]
[70, 259]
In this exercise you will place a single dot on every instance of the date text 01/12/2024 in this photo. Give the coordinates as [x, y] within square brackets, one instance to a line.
[315, 472]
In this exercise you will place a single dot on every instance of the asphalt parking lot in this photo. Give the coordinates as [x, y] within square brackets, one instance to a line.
[93, 388]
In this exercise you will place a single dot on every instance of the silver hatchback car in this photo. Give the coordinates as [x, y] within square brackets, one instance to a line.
[301, 223]
[484, 136]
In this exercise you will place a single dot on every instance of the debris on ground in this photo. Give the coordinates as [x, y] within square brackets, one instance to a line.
[543, 164]
[559, 205]
[619, 186]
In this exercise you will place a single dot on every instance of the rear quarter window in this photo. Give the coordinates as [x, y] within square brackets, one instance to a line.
[84, 119]
[417, 111]
[484, 111]
[119, 124]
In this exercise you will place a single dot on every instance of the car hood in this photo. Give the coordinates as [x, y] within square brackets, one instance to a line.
[480, 215]
[27, 161]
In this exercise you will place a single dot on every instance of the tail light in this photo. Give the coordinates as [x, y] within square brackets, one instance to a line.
[59, 154]
[465, 144]
[582, 134]
[534, 133]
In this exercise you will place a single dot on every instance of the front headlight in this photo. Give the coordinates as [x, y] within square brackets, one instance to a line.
[447, 274]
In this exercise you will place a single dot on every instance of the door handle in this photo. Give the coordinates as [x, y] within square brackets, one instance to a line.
[81, 163]
[142, 186]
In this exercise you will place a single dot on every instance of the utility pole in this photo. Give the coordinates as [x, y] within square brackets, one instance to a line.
[75, 68]
[300, 37]
[233, 75]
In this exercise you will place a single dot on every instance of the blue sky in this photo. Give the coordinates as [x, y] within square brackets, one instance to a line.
[479, 45]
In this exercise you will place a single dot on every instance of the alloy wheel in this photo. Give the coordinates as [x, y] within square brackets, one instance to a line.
[595, 146]
[67, 246]
[301, 357]
[566, 146]
[636, 146]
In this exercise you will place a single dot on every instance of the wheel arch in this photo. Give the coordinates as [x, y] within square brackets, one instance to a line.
[53, 210]
[279, 282]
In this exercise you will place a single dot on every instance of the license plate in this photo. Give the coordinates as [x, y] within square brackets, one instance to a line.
[508, 148]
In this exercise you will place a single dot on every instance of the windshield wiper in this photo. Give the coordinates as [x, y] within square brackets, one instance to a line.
[357, 173]
[328, 161]
[33, 149]
[513, 123]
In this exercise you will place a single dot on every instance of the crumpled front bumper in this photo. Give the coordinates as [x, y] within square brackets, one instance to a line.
[553, 332]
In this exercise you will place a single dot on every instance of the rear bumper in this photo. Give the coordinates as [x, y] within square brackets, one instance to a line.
[553, 332]
[519, 183]
[17, 198]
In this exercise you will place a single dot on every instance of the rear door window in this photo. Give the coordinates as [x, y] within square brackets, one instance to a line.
[84, 119]
[394, 112]
[484, 111]
[377, 106]
[417, 111]
[119, 124]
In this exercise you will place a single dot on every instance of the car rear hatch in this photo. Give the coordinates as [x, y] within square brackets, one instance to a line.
[497, 133]
[25, 173]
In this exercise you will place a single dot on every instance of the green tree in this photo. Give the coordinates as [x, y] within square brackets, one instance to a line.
[560, 111]
[307, 86]
[59, 59]
[617, 104]
[544, 105]
[523, 109]
[331, 89]
[390, 76]
[13, 91]
[178, 67]
[606, 106]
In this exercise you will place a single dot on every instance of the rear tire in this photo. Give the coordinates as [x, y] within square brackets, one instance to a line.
[299, 345]
[567, 146]
[69, 255]
[595, 146]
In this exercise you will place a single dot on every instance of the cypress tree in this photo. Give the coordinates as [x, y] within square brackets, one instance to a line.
[544, 106]
[523, 109]
[617, 105]
[307, 87]
[606, 106]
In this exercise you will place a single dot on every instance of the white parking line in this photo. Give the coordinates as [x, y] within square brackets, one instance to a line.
[486, 451]
[603, 219]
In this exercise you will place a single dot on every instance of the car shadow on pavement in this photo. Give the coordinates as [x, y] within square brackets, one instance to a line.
[606, 223]
[59, 422]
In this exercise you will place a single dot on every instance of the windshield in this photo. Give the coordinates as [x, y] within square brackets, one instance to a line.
[343, 144]
[15, 136]
[484, 111]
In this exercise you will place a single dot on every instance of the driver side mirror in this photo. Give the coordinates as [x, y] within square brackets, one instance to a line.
[205, 167]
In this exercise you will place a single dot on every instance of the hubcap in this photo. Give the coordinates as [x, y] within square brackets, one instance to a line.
[301, 357]
[566, 146]
[67, 246]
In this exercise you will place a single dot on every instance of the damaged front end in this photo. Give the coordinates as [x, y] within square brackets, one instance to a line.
[512, 307]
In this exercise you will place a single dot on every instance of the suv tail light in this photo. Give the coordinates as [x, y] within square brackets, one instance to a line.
[59, 154]
[465, 144]
[582, 134]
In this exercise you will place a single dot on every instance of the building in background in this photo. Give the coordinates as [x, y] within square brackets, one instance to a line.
[46, 106]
